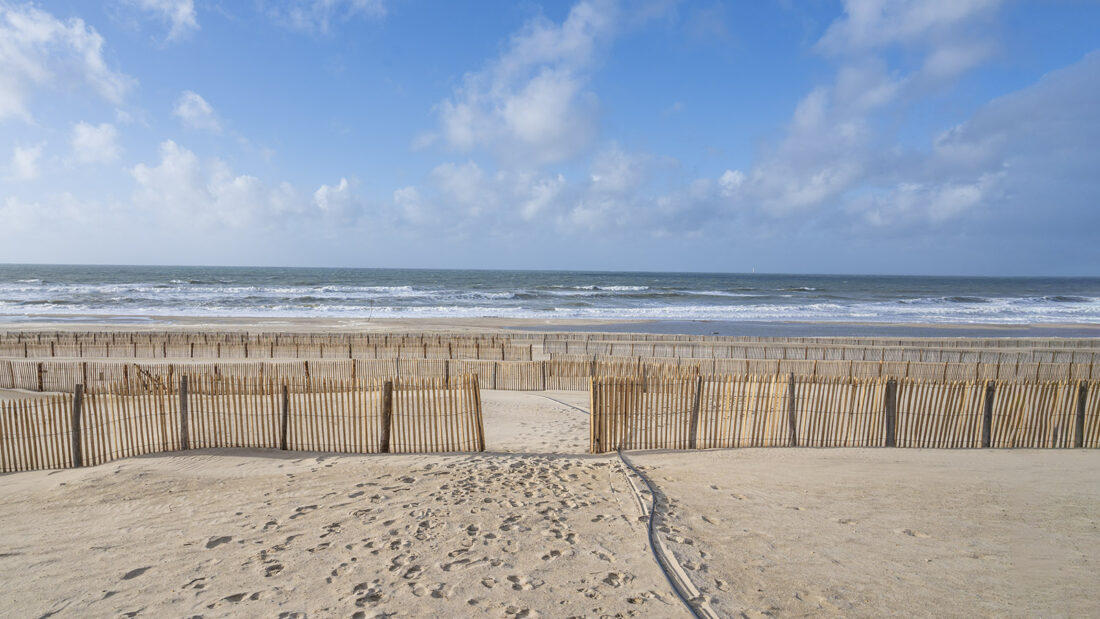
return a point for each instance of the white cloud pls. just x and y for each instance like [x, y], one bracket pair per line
[24, 161]
[413, 209]
[196, 112]
[95, 143]
[337, 202]
[39, 50]
[178, 14]
[731, 181]
[872, 24]
[464, 184]
[539, 196]
[182, 188]
[531, 105]
[52, 212]
[319, 15]
[838, 141]
[614, 171]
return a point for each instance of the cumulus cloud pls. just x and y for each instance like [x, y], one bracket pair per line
[414, 210]
[873, 24]
[837, 143]
[612, 189]
[320, 15]
[95, 143]
[532, 104]
[38, 50]
[196, 112]
[730, 182]
[178, 14]
[1010, 158]
[24, 161]
[181, 187]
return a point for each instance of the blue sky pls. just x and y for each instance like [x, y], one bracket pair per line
[935, 136]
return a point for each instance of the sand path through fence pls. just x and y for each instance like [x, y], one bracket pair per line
[532, 422]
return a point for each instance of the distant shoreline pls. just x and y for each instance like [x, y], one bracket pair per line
[96, 322]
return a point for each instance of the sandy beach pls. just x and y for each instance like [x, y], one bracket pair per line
[533, 527]
[583, 309]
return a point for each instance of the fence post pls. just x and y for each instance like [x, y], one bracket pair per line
[595, 416]
[891, 412]
[480, 421]
[987, 415]
[40, 381]
[1082, 397]
[185, 436]
[284, 418]
[693, 440]
[792, 412]
[387, 416]
[78, 405]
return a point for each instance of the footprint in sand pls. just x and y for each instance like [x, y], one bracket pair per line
[135, 573]
[301, 511]
[273, 570]
[520, 583]
[912, 533]
[370, 594]
[214, 542]
[617, 579]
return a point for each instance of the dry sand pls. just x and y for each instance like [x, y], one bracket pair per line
[868, 532]
[534, 527]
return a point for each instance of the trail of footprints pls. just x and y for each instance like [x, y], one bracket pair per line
[379, 545]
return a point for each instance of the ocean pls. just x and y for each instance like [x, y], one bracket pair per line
[59, 292]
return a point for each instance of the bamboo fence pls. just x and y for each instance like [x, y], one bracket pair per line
[462, 349]
[152, 414]
[777, 410]
[559, 374]
[940, 415]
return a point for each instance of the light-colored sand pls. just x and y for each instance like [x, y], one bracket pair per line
[19, 394]
[869, 532]
[534, 527]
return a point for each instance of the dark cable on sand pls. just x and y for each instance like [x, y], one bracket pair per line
[650, 527]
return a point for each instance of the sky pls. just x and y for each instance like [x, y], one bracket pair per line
[954, 137]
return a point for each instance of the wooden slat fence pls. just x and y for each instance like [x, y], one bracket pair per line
[150, 414]
[940, 415]
[743, 411]
[1091, 434]
[437, 415]
[236, 411]
[839, 412]
[35, 434]
[1035, 414]
[778, 410]
[572, 373]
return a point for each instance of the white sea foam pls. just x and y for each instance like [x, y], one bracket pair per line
[673, 297]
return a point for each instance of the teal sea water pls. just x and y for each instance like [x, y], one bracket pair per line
[152, 291]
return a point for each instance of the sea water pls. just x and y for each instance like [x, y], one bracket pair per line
[159, 291]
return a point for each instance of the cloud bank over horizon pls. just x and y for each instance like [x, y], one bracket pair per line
[915, 136]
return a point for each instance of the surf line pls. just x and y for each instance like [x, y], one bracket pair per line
[674, 573]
